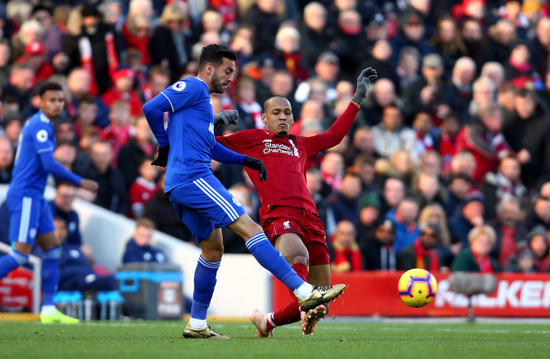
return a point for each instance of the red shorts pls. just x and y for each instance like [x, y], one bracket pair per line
[305, 224]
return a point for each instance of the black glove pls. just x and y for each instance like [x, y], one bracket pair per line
[162, 157]
[227, 117]
[256, 164]
[365, 78]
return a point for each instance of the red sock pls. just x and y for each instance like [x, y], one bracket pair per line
[290, 313]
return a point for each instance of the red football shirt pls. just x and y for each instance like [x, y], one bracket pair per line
[285, 160]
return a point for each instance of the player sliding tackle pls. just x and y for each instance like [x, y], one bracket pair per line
[186, 149]
[288, 214]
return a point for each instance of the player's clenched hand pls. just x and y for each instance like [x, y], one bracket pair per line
[365, 78]
[256, 164]
[227, 117]
[90, 185]
[162, 157]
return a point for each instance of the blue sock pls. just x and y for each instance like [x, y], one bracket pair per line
[272, 260]
[11, 261]
[50, 274]
[205, 281]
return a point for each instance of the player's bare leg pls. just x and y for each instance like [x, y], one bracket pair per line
[205, 281]
[318, 274]
[292, 248]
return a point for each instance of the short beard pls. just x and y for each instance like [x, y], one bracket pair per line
[217, 86]
[282, 133]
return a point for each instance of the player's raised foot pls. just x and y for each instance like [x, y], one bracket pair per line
[206, 333]
[311, 318]
[321, 295]
[259, 319]
[58, 317]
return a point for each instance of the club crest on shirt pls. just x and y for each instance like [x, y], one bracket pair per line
[178, 86]
[286, 225]
[42, 136]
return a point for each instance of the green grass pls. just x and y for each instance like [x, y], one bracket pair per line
[333, 339]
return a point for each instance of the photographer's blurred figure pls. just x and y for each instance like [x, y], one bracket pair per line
[139, 248]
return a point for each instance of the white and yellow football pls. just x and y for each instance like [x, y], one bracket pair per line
[417, 287]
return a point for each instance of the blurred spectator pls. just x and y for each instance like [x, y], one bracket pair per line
[363, 166]
[265, 19]
[379, 253]
[434, 213]
[139, 248]
[369, 217]
[123, 79]
[412, 33]
[447, 42]
[86, 112]
[383, 94]
[169, 45]
[404, 218]
[483, 95]
[131, 153]
[75, 271]
[475, 258]
[158, 80]
[431, 162]
[505, 99]
[518, 69]
[450, 128]
[327, 69]
[65, 153]
[469, 215]
[484, 140]
[78, 83]
[242, 42]
[463, 163]
[408, 63]
[537, 241]
[476, 47]
[332, 170]
[502, 37]
[423, 253]
[30, 31]
[393, 191]
[20, 85]
[426, 138]
[288, 52]
[460, 84]
[316, 36]
[527, 133]
[53, 34]
[64, 131]
[118, 130]
[112, 194]
[510, 231]
[12, 127]
[5, 64]
[539, 214]
[6, 159]
[428, 189]
[347, 256]
[540, 47]
[282, 85]
[505, 182]
[349, 36]
[162, 213]
[250, 111]
[379, 59]
[361, 145]
[34, 56]
[93, 45]
[62, 206]
[523, 262]
[344, 203]
[143, 188]
[495, 72]
[391, 135]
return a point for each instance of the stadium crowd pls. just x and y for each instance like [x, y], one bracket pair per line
[447, 166]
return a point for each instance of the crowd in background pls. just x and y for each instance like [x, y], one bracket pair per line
[446, 167]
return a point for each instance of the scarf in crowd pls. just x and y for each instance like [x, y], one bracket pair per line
[421, 253]
[484, 263]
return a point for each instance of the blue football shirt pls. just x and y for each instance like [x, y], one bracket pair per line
[29, 176]
[190, 132]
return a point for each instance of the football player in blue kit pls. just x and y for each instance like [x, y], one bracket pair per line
[31, 218]
[186, 148]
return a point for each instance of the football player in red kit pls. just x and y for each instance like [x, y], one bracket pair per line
[287, 213]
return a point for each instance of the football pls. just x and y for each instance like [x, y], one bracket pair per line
[417, 287]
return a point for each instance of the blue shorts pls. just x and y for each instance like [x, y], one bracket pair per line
[205, 204]
[29, 217]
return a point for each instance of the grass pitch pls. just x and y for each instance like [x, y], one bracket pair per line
[333, 339]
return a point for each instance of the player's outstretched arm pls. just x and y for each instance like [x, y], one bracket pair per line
[154, 111]
[89, 185]
[56, 169]
[226, 117]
